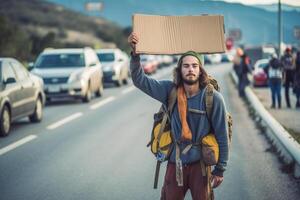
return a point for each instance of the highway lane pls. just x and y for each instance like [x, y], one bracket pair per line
[101, 153]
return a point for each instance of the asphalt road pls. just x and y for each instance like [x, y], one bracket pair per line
[98, 151]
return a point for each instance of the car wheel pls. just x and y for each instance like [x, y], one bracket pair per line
[125, 81]
[88, 96]
[38, 111]
[99, 92]
[5, 121]
[118, 83]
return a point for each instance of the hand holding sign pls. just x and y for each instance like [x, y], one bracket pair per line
[133, 40]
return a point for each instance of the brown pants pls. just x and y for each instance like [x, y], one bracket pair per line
[192, 179]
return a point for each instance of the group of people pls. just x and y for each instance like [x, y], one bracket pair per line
[280, 71]
[285, 70]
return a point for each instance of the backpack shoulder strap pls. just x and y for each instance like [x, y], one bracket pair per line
[171, 102]
[209, 98]
[172, 99]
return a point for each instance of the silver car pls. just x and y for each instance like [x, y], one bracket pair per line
[21, 94]
[70, 72]
[115, 66]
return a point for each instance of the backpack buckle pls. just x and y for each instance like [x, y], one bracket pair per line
[160, 156]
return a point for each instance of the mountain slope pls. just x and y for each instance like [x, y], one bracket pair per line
[37, 19]
[274, 7]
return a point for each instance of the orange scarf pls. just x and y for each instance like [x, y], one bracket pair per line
[186, 133]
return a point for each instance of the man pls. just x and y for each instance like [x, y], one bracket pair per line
[190, 80]
[288, 67]
[237, 60]
[244, 69]
[274, 72]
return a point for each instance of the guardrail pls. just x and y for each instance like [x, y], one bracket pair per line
[286, 146]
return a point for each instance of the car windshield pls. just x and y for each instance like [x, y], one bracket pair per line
[60, 60]
[106, 57]
[262, 65]
[145, 58]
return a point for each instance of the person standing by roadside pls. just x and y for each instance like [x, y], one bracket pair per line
[190, 80]
[296, 84]
[244, 69]
[237, 60]
[288, 67]
[274, 72]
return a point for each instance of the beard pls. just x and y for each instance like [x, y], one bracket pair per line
[190, 82]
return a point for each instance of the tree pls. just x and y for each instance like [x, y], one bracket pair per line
[13, 42]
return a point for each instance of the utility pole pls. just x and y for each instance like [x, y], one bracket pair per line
[279, 29]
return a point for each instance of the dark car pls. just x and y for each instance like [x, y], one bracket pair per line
[21, 94]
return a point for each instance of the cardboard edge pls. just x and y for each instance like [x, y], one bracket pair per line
[179, 53]
[222, 29]
[202, 15]
[222, 25]
[132, 18]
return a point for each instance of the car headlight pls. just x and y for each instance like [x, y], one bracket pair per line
[74, 77]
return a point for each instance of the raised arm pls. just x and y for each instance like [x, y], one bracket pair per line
[158, 90]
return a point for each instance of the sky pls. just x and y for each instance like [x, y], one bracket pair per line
[249, 2]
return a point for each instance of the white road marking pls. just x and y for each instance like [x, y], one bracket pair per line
[129, 89]
[17, 144]
[64, 121]
[101, 103]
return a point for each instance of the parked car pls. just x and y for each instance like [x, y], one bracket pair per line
[21, 94]
[207, 61]
[226, 58]
[259, 52]
[260, 78]
[215, 58]
[70, 73]
[115, 65]
[167, 60]
[149, 63]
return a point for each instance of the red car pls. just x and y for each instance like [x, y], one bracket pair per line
[260, 78]
[149, 64]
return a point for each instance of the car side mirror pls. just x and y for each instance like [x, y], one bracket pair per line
[30, 66]
[10, 80]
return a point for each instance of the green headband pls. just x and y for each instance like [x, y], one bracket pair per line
[199, 56]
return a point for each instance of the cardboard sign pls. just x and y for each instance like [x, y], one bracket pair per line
[179, 34]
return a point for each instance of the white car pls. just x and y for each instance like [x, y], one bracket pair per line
[115, 66]
[70, 72]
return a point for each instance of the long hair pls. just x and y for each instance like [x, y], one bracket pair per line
[177, 76]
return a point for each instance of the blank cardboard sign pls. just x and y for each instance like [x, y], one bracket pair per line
[178, 34]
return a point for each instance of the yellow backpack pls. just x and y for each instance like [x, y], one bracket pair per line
[161, 136]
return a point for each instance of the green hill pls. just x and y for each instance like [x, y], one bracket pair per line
[27, 27]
